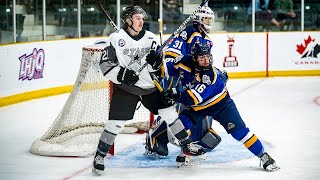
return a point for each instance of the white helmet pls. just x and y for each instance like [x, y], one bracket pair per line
[204, 17]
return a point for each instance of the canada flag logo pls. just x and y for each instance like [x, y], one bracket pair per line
[309, 51]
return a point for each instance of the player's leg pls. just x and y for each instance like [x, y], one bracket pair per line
[157, 139]
[232, 122]
[168, 112]
[122, 108]
[200, 131]
[203, 133]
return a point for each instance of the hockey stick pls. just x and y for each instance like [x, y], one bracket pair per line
[107, 15]
[180, 28]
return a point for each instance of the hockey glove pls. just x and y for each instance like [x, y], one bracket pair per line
[154, 59]
[127, 76]
[171, 96]
[223, 75]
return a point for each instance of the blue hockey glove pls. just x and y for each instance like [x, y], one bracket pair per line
[170, 96]
[127, 76]
[223, 75]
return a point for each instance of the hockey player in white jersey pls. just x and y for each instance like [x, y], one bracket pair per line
[124, 55]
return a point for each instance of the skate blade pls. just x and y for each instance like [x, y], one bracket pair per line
[272, 168]
[96, 172]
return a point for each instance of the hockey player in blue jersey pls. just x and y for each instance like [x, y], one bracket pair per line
[206, 94]
[197, 32]
[202, 133]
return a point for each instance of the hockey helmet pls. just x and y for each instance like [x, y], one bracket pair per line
[201, 54]
[129, 11]
[204, 17]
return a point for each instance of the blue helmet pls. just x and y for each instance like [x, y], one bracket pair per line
[201, 49]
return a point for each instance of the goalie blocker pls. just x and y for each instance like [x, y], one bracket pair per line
[157, 138]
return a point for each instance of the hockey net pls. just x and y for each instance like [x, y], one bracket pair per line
[77, 128]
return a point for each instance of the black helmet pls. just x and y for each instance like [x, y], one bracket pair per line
[129, 11]
[200, 49]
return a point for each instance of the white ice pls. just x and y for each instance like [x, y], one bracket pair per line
[284, 111]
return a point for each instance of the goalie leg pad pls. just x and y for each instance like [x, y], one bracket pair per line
[210, 140]
[178, 130]
[169, 114]
[157, 140]
[160, 145]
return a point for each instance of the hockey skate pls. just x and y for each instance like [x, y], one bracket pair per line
[191, 154]
[268, 163]
[98, 165]
[193, 149]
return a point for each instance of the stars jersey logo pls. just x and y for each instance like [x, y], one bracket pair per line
[135, 54]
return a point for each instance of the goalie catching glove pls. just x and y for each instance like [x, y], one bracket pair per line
[127, 76]
[154, 59]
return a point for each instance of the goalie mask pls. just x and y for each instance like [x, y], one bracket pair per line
[204, 18]
[201, 54]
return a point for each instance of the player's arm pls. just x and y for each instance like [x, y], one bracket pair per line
[207, 87]
[176, 48]
[108, 59]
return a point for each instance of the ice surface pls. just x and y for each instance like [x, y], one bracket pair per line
[284, 112]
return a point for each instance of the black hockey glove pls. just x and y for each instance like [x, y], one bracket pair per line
[127, 76]
[154, 59]
[170, 96]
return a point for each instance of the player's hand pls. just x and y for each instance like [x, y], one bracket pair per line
[171, 96]
[127, 76]
[154, 59]
[223, 75]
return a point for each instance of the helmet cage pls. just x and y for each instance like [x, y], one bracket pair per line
[204, 17]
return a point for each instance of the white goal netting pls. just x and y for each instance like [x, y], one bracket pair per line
[77, 128]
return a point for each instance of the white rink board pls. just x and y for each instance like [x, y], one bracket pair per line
[62, 58]
[283, 54]
[61, 64]
[249, 49]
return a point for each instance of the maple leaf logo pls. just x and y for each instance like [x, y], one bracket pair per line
[301, 48]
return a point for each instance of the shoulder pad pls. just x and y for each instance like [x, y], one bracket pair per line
[187, 32]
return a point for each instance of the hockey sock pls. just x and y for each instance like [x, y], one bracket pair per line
[113, 128]
[250, 140]
[105, 142]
